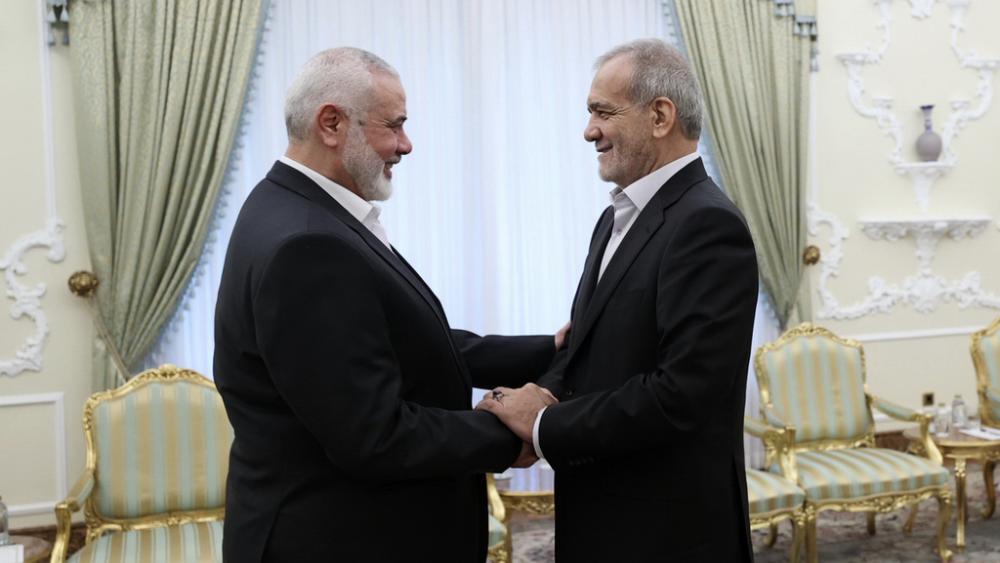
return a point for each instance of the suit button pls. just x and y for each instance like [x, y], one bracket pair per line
[568, 393]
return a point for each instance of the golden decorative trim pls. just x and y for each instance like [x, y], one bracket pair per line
[498, 554]
[538, 504]
[982, 381]
[80, 496]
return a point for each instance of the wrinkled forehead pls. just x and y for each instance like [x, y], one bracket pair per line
[611, 82]
[389, 97]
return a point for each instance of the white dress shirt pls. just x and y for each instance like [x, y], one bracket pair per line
[365, 212]
[628, 203]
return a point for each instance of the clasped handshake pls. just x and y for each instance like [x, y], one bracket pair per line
[517, 409]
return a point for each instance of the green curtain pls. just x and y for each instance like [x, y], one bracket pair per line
[754, 71]
[160, 86]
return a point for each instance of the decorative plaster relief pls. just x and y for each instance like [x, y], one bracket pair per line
[27, 300]
[924, 290]
[880, 109]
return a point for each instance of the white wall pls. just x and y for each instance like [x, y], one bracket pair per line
[908, 351]
[41, 438]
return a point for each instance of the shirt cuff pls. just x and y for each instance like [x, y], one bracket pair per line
[534, 434]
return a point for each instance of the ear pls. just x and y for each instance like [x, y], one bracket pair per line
[331, 125]
[664, 117]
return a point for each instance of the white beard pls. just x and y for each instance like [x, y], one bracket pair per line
[365, 167]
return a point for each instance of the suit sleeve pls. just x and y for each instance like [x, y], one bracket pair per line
[706, 298]
[322, 332]
[509, 361]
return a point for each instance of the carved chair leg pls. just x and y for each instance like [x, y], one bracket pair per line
[944, 516]
[811, 555]
[908, 526]
[871, 523]
[798, 531]
[772, 535]
[991, 490]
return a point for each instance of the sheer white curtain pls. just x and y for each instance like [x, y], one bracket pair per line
[496, 204]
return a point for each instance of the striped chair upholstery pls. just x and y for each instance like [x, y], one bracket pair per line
[197, 542]
[770, 493]
[161, 448]
[865, 472]
[812, 386]
[817, 385]
[154, 485]
[986, 357]
[498, 532]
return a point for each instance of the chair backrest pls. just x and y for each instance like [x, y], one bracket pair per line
[986, 357]
[815, 381]
[158, 444]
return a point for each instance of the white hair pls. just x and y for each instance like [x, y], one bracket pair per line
[341, 76]
[659, 70]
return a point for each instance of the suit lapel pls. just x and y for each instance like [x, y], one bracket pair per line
[589, 280]
[648, 222]
[299, 183]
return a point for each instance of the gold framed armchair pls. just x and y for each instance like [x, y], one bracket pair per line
[154, 484]
[775, 498]
[812, 382]
[985, 350]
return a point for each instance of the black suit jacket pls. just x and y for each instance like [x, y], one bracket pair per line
[349, 393]
[647, 442]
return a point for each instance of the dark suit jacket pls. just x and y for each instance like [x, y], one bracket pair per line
[349, 393]
[647, 442]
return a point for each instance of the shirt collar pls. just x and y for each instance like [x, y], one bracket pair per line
[643, 189]
[354, 204]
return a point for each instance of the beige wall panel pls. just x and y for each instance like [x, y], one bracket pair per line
[34, 157]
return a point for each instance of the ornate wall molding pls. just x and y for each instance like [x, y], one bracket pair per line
[880, 108]
[59, 448]
[923, 290]
[27, 300]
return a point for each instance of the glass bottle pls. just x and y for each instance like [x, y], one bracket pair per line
[942, 420]
[4, 530]
[959, 418]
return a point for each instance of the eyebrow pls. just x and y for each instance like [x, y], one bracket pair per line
[600, 106]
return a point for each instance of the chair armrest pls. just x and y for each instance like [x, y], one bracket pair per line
[993, 394]
[772, 418]
[779, 444]
[899, 412]
[64, 514]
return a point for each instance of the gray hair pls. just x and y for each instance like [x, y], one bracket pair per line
[661, 70]
[341, 76]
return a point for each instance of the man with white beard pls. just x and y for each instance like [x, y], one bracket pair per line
[348, 392]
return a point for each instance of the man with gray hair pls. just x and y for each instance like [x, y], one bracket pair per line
[647, 441]
[347, 391]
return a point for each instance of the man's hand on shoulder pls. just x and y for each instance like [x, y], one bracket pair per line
[562, 334]
[517, 408]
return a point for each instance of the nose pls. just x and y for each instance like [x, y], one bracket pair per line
[591, 133]
[404, 146]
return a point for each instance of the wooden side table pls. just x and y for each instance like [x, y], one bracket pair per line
[961, 448]
[35, 549]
